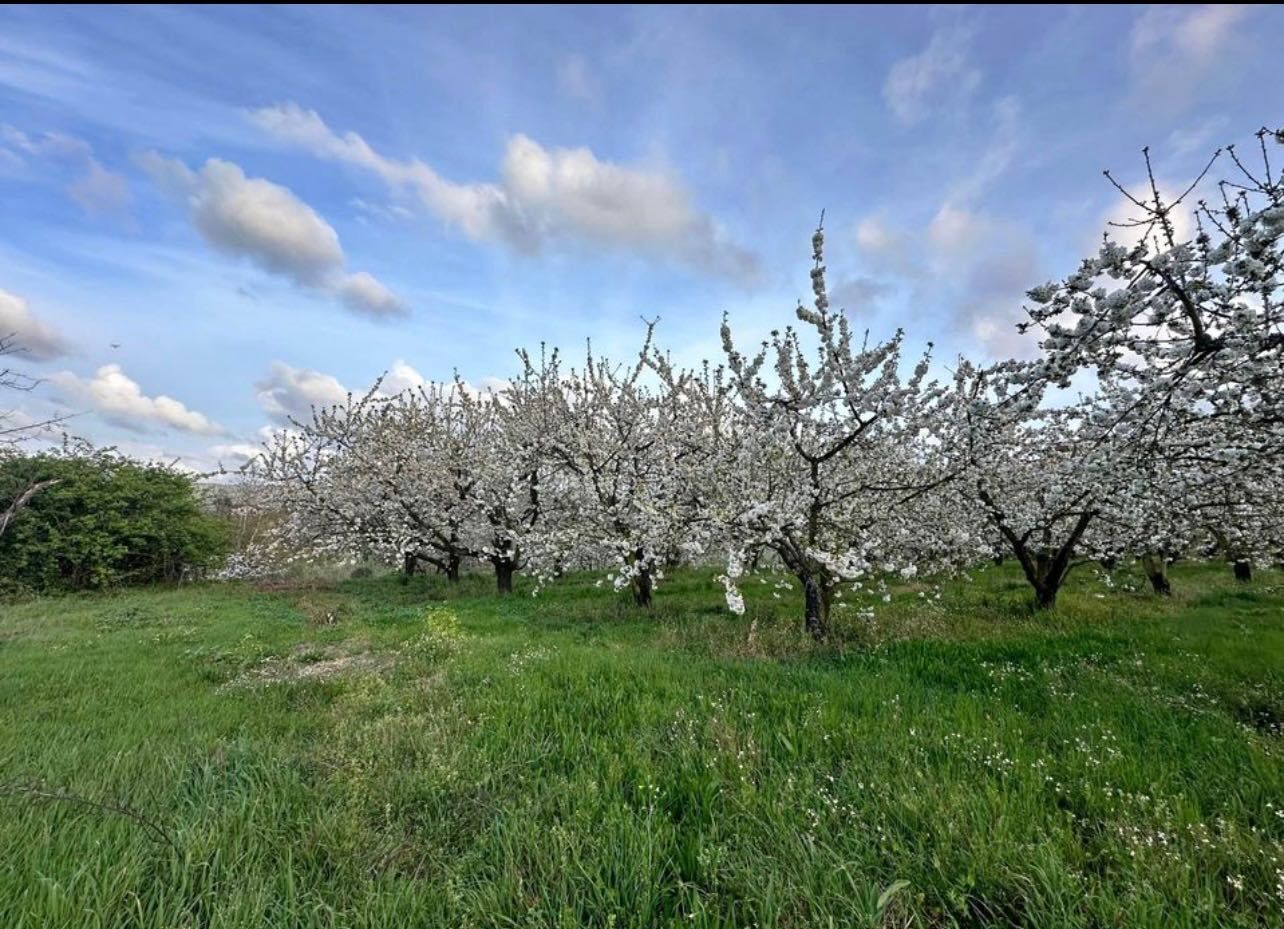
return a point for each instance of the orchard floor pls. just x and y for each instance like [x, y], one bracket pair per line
[375, 753]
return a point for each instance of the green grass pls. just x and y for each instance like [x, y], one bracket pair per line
[386, 754]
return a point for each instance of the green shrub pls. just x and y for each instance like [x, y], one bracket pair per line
[107, 521]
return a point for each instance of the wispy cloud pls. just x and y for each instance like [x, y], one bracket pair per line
[1175, 49]
[941, 75]
[95, 189]
[576, 79]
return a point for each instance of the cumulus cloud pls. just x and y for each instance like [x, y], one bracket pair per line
[290, 393]
[37, 339]
[95, 189]
[234, 454]
[363, 293]
[255, 219]
[1175, 49]
[543, 197]
[940, 75]
[120, 400]
[1126, 224]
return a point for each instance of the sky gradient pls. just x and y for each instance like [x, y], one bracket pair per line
[211, 218]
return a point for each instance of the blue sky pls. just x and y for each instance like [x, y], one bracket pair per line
[210, 218]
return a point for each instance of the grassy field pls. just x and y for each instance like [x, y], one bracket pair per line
[384, 754]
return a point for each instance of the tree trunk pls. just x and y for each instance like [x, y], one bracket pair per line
[1156, 568]
[452, 568]
[409, 563]
[643, 584]
[1243, 570]
[643, 588]
[504, 571]
[1045, 595]
[816, 598]
[1049, 574]
[1110, 562]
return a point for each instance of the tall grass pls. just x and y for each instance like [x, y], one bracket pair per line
[386, 754]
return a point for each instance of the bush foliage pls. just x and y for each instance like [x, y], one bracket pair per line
[107, 521]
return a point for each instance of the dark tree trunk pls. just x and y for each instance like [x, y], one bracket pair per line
[1156, 568]
[643, 584]
[1046, 574]
[1243, 571]
[1045, 595]
[816, 599]
[1046, 571]
[643, 588]
[1110, 563]
[504, 571]
[409, 564]
[452, 568]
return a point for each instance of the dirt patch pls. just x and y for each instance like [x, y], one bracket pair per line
[312, 663]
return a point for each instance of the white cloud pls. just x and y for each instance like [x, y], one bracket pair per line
[1199, 33]
[874, 234]
[364, 294]
[37, 339]
[940, 75]
[543, 198]
[1174, 49]
[235, 454]
[577, 81]
[120, 400]
[1121, 221]
[957, 231]
[290, 393]
[400, 377]
[390, 212]
[267, 224]
[96, 190]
